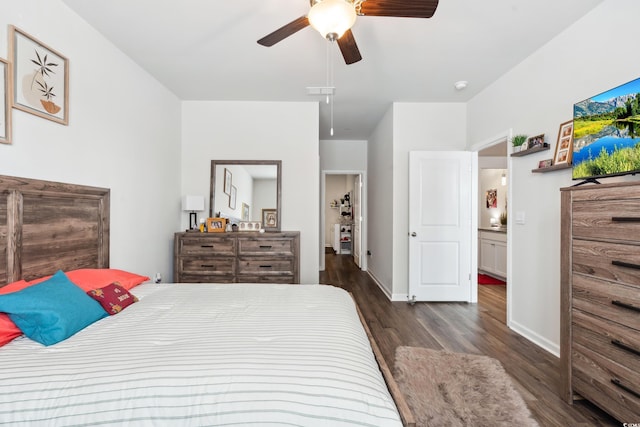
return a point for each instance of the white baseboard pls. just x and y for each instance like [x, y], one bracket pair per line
[382, 288]
[535, 338]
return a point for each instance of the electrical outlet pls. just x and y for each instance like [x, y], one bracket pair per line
[157, 278]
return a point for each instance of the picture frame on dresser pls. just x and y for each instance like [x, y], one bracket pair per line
[6, 89]
[216, 225]
[45, 91]
[270, 219]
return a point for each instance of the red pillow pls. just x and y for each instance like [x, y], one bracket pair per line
[94, 278]
[8, 330]
[113, 298]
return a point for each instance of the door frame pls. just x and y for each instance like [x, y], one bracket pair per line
[504, 136]
[363, 207]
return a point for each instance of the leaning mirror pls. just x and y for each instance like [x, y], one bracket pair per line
[246, 190]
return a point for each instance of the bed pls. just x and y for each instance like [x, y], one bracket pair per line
[187, 354]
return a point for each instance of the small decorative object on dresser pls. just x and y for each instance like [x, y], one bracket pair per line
[600, 297]
[270, 219]
[250, 226]
[216, 225]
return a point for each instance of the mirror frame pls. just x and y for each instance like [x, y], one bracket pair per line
[276, 163]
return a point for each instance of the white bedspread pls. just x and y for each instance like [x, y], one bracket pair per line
[194, 355]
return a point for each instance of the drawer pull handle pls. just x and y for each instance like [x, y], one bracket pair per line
[618, 383]
[625, 218]
[207, 265]
[265, 246]
[626, 264]
[623, 346]
[266, 266]
[206, 246]
[625, 305]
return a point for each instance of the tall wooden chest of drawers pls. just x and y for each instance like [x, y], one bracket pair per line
[243, 257]
[600, 297]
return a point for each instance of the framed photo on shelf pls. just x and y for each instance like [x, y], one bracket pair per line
[6, 90]
[564, 146]
[40, 77]
[535, 141]
[227, 181]
[216, 225]
[269, 219]
[545, 163]
[232, 197]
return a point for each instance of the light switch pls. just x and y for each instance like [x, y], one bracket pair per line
[520, 217]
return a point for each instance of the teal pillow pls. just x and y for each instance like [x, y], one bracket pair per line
[51, 311]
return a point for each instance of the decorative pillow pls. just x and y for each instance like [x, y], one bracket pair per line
[94, 278]
[51, 311]
[8, 330]
[113, 298]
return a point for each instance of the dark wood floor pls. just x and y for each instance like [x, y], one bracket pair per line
[471, 328]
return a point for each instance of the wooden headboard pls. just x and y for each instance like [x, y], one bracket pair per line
[48, 226]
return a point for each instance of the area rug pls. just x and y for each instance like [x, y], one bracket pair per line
[483, 279]
[456, 389]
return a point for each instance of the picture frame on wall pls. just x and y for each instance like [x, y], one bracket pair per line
[245, 212]
[40, 77]
[5, 102]
[564, 146]
[232, 197]
[270, 219]
[227, 181]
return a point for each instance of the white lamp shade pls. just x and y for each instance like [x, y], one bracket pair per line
[332, 17]
[193, 203]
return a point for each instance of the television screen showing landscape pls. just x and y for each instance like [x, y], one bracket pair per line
[606, 133]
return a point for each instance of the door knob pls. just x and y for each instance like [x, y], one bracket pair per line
[413, 234]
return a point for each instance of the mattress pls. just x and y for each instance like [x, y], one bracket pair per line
[204, 354]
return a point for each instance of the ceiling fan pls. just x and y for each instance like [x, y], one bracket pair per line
[334, 18]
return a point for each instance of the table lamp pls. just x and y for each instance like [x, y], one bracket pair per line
[193, 204]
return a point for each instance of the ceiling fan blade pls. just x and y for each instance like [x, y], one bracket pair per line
[400, 8]
[349, 48]
[284, 32]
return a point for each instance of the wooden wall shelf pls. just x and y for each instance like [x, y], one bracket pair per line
[552, 168]
[530, 151]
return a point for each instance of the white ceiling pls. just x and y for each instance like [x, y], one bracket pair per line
[207, 50]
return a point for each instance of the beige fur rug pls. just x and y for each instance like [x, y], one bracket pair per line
[455, 389]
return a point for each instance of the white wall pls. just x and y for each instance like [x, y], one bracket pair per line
[417, 127]
[593, 55]
[123, 134]
[490, 179]
[380, 196]
[286, 131]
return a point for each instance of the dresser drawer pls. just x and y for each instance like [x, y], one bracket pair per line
[612, 261]
[609, 339]
[283, 278]
[207, 266]
[594, 376]
[203, 278]
[206, 245]
[266, 246]
[607, 219]
[608, 300]
[265, 266]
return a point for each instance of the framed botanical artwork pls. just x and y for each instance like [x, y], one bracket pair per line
[270, 219]
[535, 141]
[5, 102]
[245, 212]
[216, 225]
[40, 77]
[227, 181]
[232, 197]
[564, 146]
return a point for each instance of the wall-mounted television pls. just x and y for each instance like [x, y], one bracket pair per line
[606, 133]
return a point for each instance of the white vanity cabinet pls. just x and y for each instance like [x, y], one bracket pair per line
[493, 252]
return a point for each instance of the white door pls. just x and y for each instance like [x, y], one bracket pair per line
[357, 219]
[440, 214]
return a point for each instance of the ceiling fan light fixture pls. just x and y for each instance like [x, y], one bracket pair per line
[332, 18]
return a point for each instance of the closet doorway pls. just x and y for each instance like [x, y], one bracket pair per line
[342, 218]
